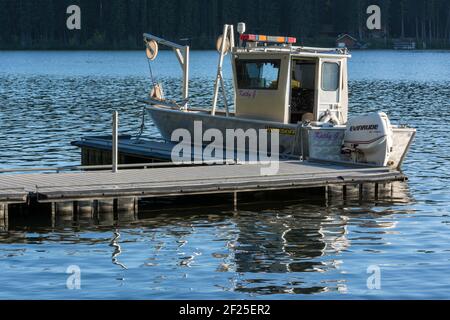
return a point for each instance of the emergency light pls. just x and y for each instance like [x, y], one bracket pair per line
[264, 38]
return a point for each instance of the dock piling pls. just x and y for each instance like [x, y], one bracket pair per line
[105, 205]
[369, 191]
[334, 194]
[2, 211]
[53, 213]
[64, 208]
[84, 208]
[125, 204]
[3, 214]
[361, 191]
[106, 218]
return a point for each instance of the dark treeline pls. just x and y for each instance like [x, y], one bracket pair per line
[119, 24]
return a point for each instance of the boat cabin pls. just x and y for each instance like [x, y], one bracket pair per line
[276, 81]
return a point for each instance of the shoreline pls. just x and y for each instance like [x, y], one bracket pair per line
[371, 44]
[195, 49]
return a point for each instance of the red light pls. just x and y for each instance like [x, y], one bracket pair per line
[248, 37]
[291, 40]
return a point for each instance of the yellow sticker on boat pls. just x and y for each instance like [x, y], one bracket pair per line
[284, 131]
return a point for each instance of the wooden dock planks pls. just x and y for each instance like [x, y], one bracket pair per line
[53, 187]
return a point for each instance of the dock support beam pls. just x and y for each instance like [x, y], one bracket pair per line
[115, 131]
[3, 214]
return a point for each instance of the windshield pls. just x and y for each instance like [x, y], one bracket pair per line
[257, 74]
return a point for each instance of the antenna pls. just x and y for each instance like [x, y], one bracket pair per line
[240, 30]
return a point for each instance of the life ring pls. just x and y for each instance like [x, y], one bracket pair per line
[151, 49]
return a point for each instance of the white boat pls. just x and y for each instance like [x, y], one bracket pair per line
[302, 92]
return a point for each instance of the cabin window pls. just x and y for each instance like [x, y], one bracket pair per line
[330, 76]
[258, 74]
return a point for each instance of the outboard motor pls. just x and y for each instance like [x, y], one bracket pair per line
[369, 139]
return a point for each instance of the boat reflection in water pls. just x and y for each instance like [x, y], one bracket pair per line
[309, 238]
[270, 245]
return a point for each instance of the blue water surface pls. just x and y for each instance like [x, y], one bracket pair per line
[295, 247]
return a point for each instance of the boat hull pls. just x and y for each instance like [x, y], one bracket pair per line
[315, 143]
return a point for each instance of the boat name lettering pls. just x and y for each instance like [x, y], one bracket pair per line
[247, 93]
[326, 135]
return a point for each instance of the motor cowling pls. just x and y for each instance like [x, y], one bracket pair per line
[369, 139]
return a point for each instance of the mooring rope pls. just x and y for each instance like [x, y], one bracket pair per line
[151, 72]
[142, 126]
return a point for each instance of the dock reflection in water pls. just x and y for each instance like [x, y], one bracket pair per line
[117, 250]
[263, 248]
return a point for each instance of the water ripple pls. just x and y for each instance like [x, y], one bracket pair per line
[277, 248]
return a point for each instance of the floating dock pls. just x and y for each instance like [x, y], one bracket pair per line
[96, 150]
[121, 190]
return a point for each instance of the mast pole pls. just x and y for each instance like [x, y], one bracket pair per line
[219, 77]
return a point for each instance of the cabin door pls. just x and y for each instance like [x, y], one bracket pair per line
[303, 88]
[329, 87]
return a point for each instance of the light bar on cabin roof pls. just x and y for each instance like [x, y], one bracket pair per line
[264, 38]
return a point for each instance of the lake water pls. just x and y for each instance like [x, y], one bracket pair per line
[294, 247]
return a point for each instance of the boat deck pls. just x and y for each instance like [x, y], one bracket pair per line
[173, 181]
